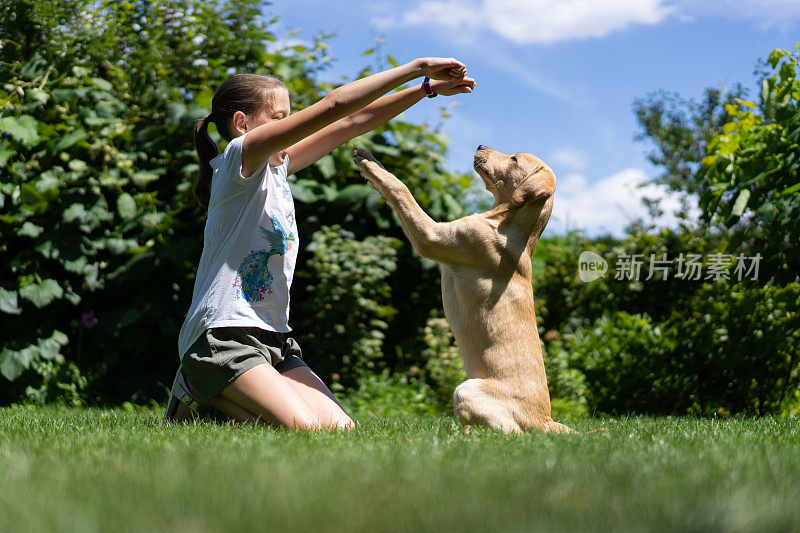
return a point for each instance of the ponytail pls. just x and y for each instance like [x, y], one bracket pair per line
[248, 93]
[206, 151]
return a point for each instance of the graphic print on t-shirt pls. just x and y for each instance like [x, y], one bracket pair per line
[253, 279]
[287, 195]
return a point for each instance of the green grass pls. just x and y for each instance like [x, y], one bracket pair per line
[89, 469]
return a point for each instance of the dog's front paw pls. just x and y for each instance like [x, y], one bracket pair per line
[369, 167]
[360, 154]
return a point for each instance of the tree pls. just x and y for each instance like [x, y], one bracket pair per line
[740, 159]
[753, 168]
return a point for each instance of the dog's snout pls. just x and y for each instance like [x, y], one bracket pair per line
[481, 147]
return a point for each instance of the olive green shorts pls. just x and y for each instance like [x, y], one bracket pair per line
[221, 355]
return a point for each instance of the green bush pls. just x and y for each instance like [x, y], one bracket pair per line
[738, 158]
[566, 384]
[737, 348]
[626, 363]
[752, 165]
[346, 304]
[733, 349]
[385, 394]
[443, 368]
[51, 377]
[564, 303]
[61, 382]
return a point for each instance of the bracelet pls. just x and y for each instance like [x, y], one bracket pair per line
[426, 86]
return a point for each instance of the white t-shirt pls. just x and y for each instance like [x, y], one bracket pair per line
[249, 250]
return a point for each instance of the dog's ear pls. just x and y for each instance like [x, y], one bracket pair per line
[538, 186]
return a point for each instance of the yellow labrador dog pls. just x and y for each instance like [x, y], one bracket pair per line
[486, 285]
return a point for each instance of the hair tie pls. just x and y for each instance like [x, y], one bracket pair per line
[210, 117]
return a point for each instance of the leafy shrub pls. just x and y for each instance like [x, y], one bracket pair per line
[346, 303]
[566, 384]
[733, 349]
[50, 377]
[752, 165]
[424, 387]
[696, 346]
[626, 362]
[737, 348]
[739, 157]
[443, 366]
[383, 394]
[564, 303]
[61, 382]
[791, 405]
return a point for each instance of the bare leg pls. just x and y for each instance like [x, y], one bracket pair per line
[232, 410]
[245, 401]
[328, 411]
[177, 411]
[263, 391]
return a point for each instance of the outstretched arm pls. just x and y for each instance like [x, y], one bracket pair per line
[367, 119]
[274, 136]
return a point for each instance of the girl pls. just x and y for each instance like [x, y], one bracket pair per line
[234, 354]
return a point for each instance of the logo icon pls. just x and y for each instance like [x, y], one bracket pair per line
[591, 266]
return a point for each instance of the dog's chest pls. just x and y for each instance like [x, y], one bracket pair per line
[472, 300]
[464, 295]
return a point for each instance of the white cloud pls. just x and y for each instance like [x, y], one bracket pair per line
[538, 21]
[569, 158]
[764, 13]
[608, 205]
[551, 21]
[452, 14]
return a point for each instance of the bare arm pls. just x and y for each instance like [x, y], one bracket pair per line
[274, 136]
[367, 119]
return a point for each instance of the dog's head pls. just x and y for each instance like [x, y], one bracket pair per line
[515, 179]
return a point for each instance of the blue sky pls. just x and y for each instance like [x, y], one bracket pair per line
[558, 78]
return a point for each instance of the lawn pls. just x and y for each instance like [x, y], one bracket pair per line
[67, 469]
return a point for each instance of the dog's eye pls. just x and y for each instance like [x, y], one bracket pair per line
[514, 158]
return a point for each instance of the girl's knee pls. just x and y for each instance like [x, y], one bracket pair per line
[321, 423]
[345, 422]
[304, 424]
[335, 418]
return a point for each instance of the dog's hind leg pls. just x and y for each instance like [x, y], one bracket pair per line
[474, 404]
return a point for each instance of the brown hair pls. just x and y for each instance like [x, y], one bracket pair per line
[248, 93]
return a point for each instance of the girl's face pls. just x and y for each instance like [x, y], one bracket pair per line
[279, 107]
[276, 108]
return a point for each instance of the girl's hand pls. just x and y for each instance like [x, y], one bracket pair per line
[451, 87]
[440, 68]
